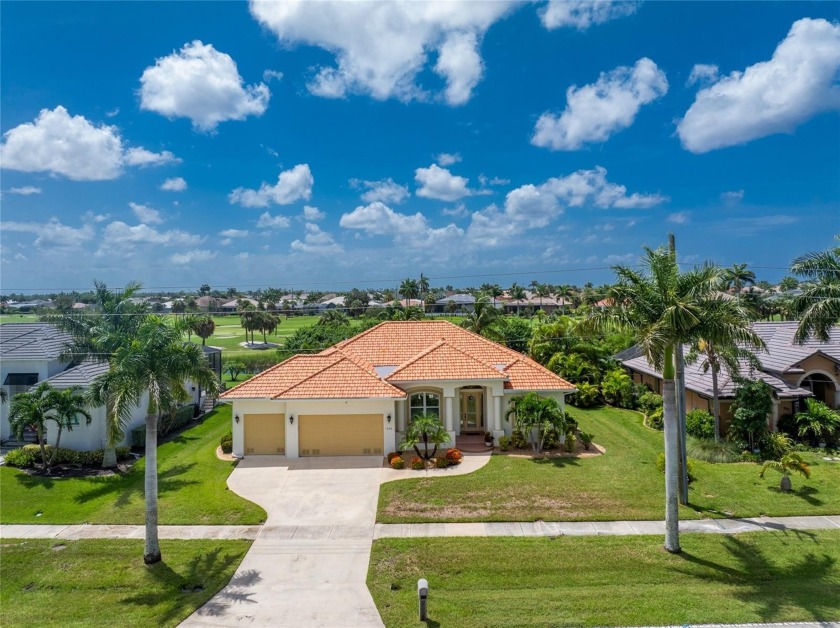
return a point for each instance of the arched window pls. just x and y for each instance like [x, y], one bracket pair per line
[424, 403]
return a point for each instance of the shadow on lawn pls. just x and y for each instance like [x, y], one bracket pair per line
[558, 461]
[129, 486]
[809, 584]
[177, 593]
[806, 493]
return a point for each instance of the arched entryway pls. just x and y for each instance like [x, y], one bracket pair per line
[823, 387]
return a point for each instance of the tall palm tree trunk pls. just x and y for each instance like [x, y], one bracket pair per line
[716, 402]
[151, 553]
[672, 455]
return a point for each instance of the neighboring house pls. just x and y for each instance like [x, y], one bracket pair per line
[233, 306]
[546, 304]
[793, 371]
[462, 303]
[330, 304]
[29, 355]
[357, 397]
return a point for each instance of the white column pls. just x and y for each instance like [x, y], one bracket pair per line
[497, 402]
[774, 421]
[450, 414]
[400, 407]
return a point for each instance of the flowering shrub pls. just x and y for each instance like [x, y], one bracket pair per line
[417, 463]
[454, 456]
[392, 455]
[441, 462]
[396, 462]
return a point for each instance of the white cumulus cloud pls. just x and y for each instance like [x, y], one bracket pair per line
[678, 218]
[594, 112]
[292, 185]
[703, 73]
[118, 234]
[769, 97]
[175, 184]
[234, 233]
[733, 197]
[440, 183]
[267, 221]
[581, 14]
[447, 159]
[385, 190]
[312, 214]
[73, 147]
[146, 214]
[380, 48]
[142, 157]
[409, 230]
[200, 83]
[52, 233]
[317, 241]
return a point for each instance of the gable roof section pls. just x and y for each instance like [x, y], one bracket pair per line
[443, 361]
[343, 379]
[81, 375]
[314, 377]
[783, 353]
[31, 341]
[526, 374]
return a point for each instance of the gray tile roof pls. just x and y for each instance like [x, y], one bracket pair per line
[782, 355]
[81, 375]
[31, 341]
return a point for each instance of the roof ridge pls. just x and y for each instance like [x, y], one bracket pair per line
[413, 359]
[438, 345]
[346, 341]
[271, 369]
[310, 376]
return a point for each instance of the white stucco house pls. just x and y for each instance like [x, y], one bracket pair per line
[29, 354]
[357, 397]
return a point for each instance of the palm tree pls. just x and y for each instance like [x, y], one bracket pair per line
[425, 428]
[31, 410]
[96, 336]
[67, 405]
[204, 328]
[423, 288]
[662, 307]
[725, 338]
[517, 293]
[791, 462]
[483, 320]
[409, 290]
[819, 303]
[738, 276]
[543, 291]
[333, 317]
[157, 362]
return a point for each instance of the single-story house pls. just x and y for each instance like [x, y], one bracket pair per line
[358, 396]
[460, 302]
[793, 371]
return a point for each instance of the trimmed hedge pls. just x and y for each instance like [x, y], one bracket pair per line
[226, 443]
[30, 456]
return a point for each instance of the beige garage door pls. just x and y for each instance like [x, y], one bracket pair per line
[265, 434]
[340, 435]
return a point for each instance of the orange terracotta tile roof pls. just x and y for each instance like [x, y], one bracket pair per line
[420, 350]
[343, 379]
[526, 374]
[444, 361]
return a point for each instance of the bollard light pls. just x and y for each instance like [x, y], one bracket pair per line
[422, 595]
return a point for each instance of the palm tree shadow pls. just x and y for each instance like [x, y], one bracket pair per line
[178, 592]
[127, 489]
[806, 493]
[763, 584]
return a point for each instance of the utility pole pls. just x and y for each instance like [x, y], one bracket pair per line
[679, 382]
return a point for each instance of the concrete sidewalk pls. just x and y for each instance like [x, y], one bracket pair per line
[369, 531]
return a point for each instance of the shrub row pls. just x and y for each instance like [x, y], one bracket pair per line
[183, 415]
[226, 443]
[29, 456]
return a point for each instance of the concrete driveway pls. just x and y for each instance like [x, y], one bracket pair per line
[308, 566]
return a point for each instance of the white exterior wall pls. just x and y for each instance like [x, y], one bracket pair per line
[44, 368]
[295, 408]
[84, 437]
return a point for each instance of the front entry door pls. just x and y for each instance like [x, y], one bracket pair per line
[472, 411]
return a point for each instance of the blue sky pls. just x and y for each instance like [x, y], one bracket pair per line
[329, 145]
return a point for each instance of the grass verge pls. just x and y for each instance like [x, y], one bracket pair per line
[609, 581]
[103, 582]
[192, 488]
[622, 484]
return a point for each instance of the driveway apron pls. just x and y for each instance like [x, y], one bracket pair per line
[308, 566]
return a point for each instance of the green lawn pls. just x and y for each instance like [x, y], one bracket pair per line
[192, 488]
[19, 318]
[609, 581]
[48, 582]
[622, 484]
